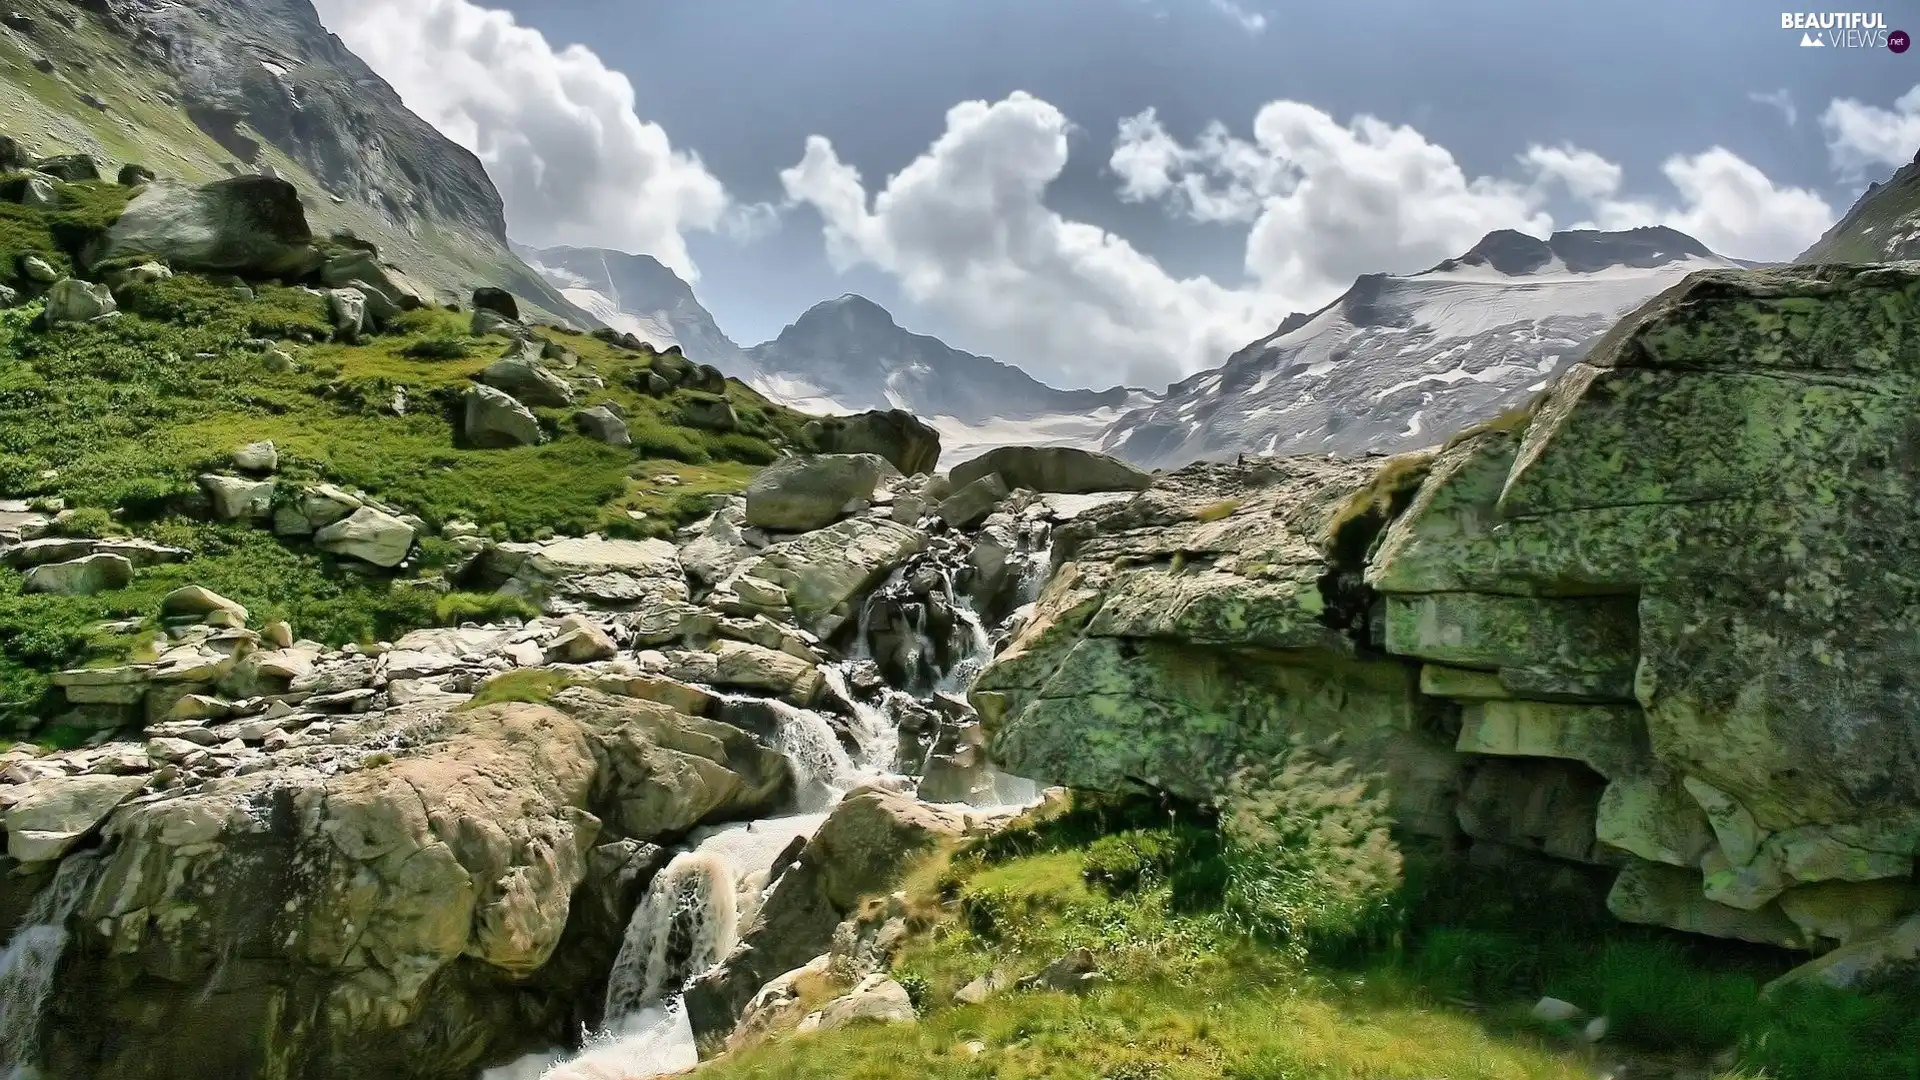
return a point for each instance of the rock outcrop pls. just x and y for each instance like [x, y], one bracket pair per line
[254, 226]
[1661, 623]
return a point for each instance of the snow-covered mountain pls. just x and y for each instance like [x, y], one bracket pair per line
[637, 295]
[1401, 362]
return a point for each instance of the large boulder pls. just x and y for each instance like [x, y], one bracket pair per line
[493, 420]
[239, 498]
[911, 444]
[74, 301]
[499, 301]
[863, 849]
[369, 535]
[85, 576]
[593, 569]
[1061, 470]
[604, 424]
[709, 412]
[73, 168]
[799, 494]
[819, 577]
[522, 373]
[48, 817]
[254, 226]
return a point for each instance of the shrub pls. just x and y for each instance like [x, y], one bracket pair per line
[658, 442]
[87, 523]
[750, 449]
[460, 607]
[1309, 862]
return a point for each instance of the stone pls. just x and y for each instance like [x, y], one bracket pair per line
[876, 999]
[522, 374]
[33, 192]
[592, 569]
[709, 412]
[1860, 963]
[144, 274]
[862, 849]
[347, 311]
[260, 457]
[1055, 469]
[369, 535]
[1555, 1011]
[493, 420]
[969, 505]
[237, 498]
[1074, 973]
[777, 1005]
[46, 818]
[799, 494]
[253, 226]
[81, 577]
[71, 300]
[486, 322]
[72, 168]
[910, 444]
[499, 301]
[743, 666]
[193, 601]
[601, 423]
[38, 270]
[583, 645]
[132, 175]
[822, 573]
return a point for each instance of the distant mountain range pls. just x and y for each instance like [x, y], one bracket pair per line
[843, 355]
[1401, 362]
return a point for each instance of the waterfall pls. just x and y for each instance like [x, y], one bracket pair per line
[974, 653]
[874, 732]
[685, 925]
[30, 960]
[822, 771]
[1036, 562]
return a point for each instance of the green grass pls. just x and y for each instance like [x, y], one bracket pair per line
[531, 686]
[59, 235]
[1190, 995]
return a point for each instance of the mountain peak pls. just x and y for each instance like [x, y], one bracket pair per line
[1581, 251]
[852, 307]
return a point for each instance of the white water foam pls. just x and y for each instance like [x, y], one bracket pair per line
[27, 966]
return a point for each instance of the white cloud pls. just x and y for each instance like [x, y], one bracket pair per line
[1251, 21]
[1865, 138]
[965, 229]
[1727, 204]
[556, 128]
[1779, 99]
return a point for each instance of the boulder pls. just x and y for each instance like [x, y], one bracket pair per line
[592, 569]
[866, 844]
[581, 645]
[347, 311]
[84, 576]
[237, 498]
[260, 457]
[132, 175]
[46, 818]
[521, 373]
[602, 423]
[37, 270]
[486, 322]
[493, 420]
[1060, 470]
[73, 168]
[193, 601]
[13, 157]
[819, 576]
[144, 274]
[876, 999]
[971, 504]
[253, 226]
[909, 443]
[499, 301]
[141, 553]
[743, 666]
[387, 291]
[71, 300]
[33, 191]
[369, 535]
[708, 412]
[799, 494]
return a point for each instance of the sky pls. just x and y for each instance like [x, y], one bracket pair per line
[1126, 191]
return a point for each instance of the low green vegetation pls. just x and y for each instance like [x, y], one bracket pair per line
[1267, 949]
[115, 420]
[530, 686]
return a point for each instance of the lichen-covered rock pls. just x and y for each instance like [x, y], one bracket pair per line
[254, 226]
[593, 569]
[818, 576]
[798, 494]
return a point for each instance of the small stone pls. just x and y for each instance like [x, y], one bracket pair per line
[1555, 1011]
[257, 457]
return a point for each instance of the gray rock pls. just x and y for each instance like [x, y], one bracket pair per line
[132, 175]
[499, 301]
[877, 998]
[48, 817]
[1060, 470]
[257, 457]
[73, 168]
[237, 498]
[600, 422]
[912, 445]
[493, 419]
[38, 270]
[486, 322]
[80, 577]
[966, 507]
[347, 311]
[33, 192]
[254, 226]
[194, 601]
[368, 535]
[74, 301]
[709, 412]
[521, 373]
[799, 494]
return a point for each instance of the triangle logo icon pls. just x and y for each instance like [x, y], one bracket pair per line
[1808, 41]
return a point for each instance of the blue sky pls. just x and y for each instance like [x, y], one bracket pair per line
[1101, 268]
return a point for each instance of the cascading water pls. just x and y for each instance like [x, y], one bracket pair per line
[685, 925]
[28, 964]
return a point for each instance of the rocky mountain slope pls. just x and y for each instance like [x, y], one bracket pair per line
[635, 294]
[1400, 362]
[1882, 226]
[200, 91]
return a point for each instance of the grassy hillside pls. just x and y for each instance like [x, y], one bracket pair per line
[1884, 225]
[1442, 986]
[86, 88]
[114, 420]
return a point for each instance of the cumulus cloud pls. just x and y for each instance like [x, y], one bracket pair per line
[966, 230]
[965, 227]
[556, 128]
[1865, 138]
[1778, 99]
